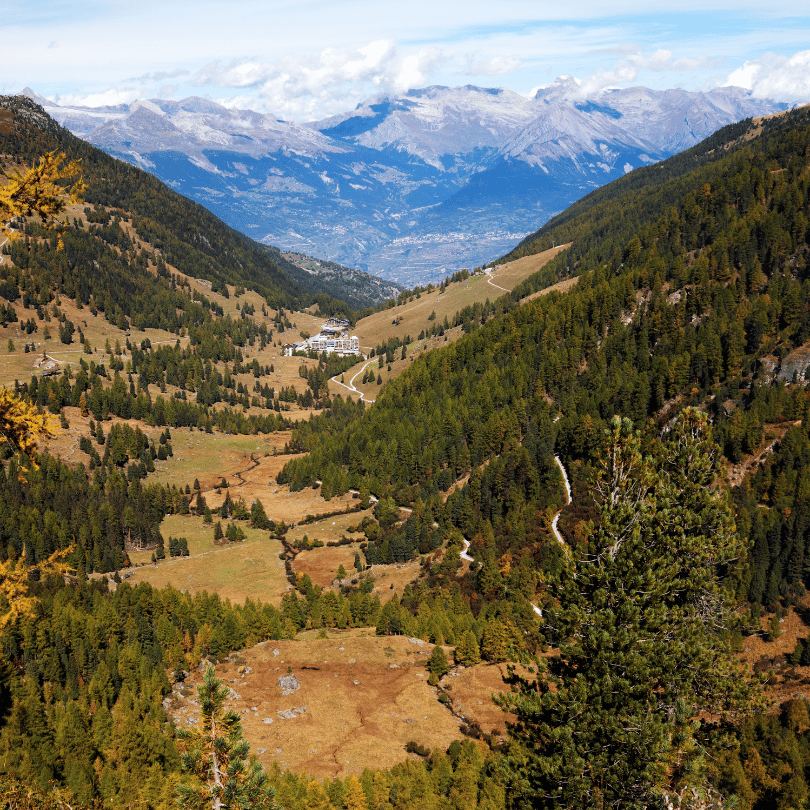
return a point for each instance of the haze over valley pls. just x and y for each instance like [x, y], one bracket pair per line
[410, 187]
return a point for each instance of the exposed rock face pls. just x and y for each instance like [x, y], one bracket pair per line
[288, 684]
[794, 366]
[290, 714]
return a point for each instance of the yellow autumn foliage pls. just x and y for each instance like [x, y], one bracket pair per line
[42, 190]
[16, 601]
[22, 425]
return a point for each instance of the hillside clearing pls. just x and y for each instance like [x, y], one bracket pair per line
[414, 316]
[360, 699]
[471, 689]
[431, 308]
[321, 564]
[237, 571]
[257, 480]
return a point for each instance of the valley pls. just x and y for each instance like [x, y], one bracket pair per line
[461, 173]
[585, 458]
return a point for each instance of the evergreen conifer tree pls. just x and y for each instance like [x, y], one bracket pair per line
[221, 776]
[437, 664]
[467, 653]
[640, 621]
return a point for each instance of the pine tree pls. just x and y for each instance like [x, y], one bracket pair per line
[437, 664]
[215, 757]
[640, 623]
[258, 517]
[498, 640]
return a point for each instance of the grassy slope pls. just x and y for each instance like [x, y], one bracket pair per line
[415, 315]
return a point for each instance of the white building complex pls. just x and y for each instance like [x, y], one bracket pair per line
[333, 338]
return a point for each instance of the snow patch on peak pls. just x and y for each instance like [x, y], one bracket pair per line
[149, 106]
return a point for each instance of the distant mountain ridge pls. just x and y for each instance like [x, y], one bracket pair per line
[414, 186]
[189, 236]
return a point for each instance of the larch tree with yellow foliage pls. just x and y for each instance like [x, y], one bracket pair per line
[41, 191]
[355, 798]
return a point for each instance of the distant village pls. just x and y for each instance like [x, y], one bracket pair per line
[334, 338]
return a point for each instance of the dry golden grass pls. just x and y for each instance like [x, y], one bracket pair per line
[365, 698]
[321, 564]
[390, 580]
[510, 274]
[19, 365]
[330, 529]
[761, 654]
[415, 349]
[414, 315]
[211, 456]
[65, 442]
[561, 286]
[237, 571]
[471, 690]
[279, 502]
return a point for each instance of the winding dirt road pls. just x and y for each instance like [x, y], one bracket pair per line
[351, 386]
[492, 283]
[560, 538]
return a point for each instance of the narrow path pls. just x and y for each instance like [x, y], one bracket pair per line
[560, 538]
[356, 492]
[351, 386]
[492, 283]
[465, 555]
[238, 474]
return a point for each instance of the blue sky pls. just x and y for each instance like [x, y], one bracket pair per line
[310, 58]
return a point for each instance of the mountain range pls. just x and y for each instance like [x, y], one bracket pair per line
[410, 187]
[189, 235]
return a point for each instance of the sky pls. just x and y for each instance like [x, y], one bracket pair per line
[304, 60]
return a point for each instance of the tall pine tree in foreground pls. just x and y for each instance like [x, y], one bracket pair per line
[216, 757]
[641, 623]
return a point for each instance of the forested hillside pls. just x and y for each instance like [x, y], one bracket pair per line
[188, 236]
[675, 368]
[682, 294]
[693, 291]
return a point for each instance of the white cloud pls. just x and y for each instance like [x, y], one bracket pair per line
[104, 98]
[495, 65]
[305, 59]
[629, 68]
[323, 83]
[784, 78]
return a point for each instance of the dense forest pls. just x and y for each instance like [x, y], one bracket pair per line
[681, 300]
[693, 291]
[662, 372]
